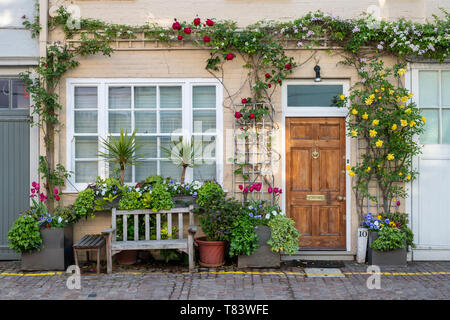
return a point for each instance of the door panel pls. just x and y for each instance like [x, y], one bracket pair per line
[14, 176]
[315, 181]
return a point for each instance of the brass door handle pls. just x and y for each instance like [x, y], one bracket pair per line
[340, 198]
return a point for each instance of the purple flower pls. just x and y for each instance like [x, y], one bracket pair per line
[355, 29]
[251, 215]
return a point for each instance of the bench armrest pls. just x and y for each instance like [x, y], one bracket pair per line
[192, 229]
[108, 231]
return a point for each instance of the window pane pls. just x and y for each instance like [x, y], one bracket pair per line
[170, 97]
[445, 126]
[144, 169]
[128, 172]
[167, 142]
[4, 94]
[148, 147]
[171, 121]
[145, 122]
[119, 97]
[20, 98]
[145, 97]
[86, 172]
[445, 88]
[204, 97]
[204, 121]
[431, 133]
[205, 146]
[86, 147]
[205, 172]
[85, 122]
[85, 97]
[119, 119]
[312, 95]
[169, 170]
[428, 88]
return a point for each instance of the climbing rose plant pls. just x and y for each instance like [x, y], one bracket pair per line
[383, 116]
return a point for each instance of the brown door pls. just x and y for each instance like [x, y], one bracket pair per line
[315, 181]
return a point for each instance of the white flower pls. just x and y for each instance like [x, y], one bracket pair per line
[268, 216]
[59, 219]
[250, 207]
[282, 213]
[274, 213]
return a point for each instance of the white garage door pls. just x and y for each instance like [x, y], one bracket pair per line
[431, 191]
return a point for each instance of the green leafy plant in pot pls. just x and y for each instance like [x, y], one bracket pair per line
[216, 215]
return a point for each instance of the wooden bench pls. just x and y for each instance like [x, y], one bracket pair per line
[183, 244]
[90, 242]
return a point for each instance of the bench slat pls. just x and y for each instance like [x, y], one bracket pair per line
[125, 228]
[149, 245]
[113, 223]
[90, 241]
[158, 226]
[136, 227]
[180, 226]
[149, 211]
[169, 225]
[147, 227]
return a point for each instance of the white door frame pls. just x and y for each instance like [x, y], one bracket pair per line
[412, 188]
[304, 112]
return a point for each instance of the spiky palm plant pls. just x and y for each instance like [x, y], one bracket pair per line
[121, 151]
[183, 154]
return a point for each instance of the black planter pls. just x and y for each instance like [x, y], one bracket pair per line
[56, 252]
[385, 258]
[263, 257]
[184, 201]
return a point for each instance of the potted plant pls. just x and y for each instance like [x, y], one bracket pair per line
[44, 240]
[387, 241]
[216, 215]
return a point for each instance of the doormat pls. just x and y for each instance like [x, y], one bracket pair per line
[321, 264]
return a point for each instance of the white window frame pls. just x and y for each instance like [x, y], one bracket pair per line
[103, 84]
[288, 112]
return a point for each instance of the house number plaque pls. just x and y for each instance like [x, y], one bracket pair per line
[315, 197]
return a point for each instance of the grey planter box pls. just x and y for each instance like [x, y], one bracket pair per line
[385, 258]
[56, 252]
[184, 201]
[263, 257]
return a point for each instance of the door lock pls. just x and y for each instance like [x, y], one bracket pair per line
[340, 198]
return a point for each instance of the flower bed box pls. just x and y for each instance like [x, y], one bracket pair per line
[263, 257]
[184, 201]
[385, 258]
[56, 252]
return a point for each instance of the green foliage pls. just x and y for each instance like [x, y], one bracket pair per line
[389, 239]
[209, 193]
[244, 240]
[159, 198]
[24, 236]
[401, 220]
[131, 200]
[284, 235]
[384, 117]
[121, 151]
[33, 25]
[67, 213]
[84, 204]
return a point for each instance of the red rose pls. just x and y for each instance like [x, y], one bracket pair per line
[275, 190]
[180, 37]
[267, 75]
[45, 65]
[244, 100]
[47, 226]
[187, 30]
[251, 188]
[252, 116]
[269, 85]
[197, 21]
[176, 25]
[209, 22]
[237, 115]
[287, 66]
[269, 190]
[229, 56]
[57, 198]
[206, 39]
[241, 187]
[246, 190]
[279, 81]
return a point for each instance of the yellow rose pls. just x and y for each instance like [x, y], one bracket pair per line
[379, 144]
[412, 123]
[354, 133]
[404, 98]
[382, 74]
[376, 90]
[372, 96]
[368, 101]
[401, 106]
[408, 177]
[390, 157]
[351, 174]
[373, 133]
[382, 89]
[348, 167]
[365, 116]
[424, 120]
[394, 127]
[375, 122]
[342, 97]
[354, 111]
[410, 95]
[404, 123]
[368, 169]
[379, 97]
[408, 110]
[400, 174]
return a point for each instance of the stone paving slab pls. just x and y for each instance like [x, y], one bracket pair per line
[419, 280]
[324, 273]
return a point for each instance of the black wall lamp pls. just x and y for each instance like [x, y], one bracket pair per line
[317, 70]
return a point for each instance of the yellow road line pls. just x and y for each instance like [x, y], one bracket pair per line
[240, 273]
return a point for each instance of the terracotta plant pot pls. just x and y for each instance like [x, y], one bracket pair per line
[127, 257]
[212, 253]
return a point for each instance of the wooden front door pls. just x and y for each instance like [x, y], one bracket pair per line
[315, 181]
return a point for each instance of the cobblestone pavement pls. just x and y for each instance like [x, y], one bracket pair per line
[420, 280]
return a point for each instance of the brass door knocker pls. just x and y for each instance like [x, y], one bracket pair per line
[315, 153]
